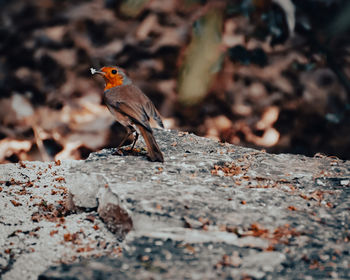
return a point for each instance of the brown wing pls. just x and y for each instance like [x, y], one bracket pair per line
[153, 112]
[131, 101]
[137, 115]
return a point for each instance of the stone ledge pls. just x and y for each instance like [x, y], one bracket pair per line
[214, 210]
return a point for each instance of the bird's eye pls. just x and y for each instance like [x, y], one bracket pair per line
[114, 71]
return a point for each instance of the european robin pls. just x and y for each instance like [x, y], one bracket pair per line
[131, 108]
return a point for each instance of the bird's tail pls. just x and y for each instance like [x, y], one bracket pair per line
[154, 152]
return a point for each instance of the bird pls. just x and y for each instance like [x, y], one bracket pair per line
[131, 108]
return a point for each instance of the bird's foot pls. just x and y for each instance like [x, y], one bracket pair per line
[127, 151]
[118, 152]
[132, 151]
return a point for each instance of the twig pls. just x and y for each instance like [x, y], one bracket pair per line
[40, 144]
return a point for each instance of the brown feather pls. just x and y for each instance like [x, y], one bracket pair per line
[153, 150]
[131, 106]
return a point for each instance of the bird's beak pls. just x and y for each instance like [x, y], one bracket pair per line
[94, 71]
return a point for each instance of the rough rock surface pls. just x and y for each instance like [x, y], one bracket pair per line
[211, 211]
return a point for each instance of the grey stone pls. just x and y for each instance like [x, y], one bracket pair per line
[115, 217]
[84, 188]
[266, 261]
[210, 211]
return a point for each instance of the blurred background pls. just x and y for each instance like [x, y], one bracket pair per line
[272, 74]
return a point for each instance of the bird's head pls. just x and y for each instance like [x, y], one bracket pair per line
[113, 76]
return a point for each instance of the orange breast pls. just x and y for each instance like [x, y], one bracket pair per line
[111, 81]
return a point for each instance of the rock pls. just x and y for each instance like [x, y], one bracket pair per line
[84, 188]
[112, 214]
[210, 211]
[36, 229]
[266, 261]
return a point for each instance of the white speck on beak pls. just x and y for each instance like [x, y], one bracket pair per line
[93, 71]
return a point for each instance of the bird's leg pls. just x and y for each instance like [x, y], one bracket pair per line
[126, 136]
[135, 139]
[124, 139]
